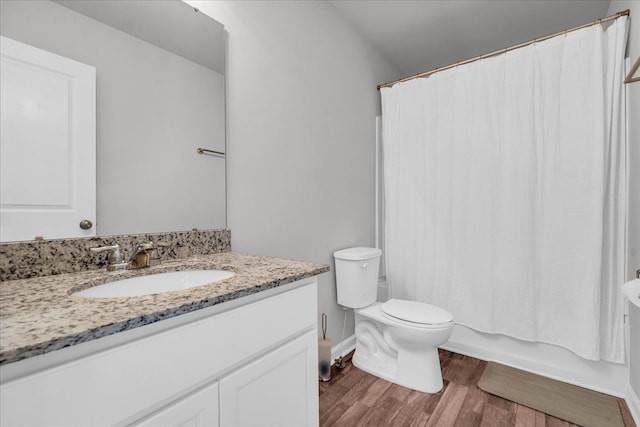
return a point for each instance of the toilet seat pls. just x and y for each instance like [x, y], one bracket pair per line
[416, 314]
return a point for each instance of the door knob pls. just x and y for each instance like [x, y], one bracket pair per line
[85, 224]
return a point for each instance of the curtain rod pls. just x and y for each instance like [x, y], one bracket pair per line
[506, 49]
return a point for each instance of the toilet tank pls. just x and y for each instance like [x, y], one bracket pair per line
[357, 276]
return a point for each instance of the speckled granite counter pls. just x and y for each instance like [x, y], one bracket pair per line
[39, 315]
[23, 260]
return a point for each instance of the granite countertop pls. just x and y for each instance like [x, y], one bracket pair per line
[39, 315]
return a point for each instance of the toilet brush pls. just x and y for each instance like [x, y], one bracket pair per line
[324, 353]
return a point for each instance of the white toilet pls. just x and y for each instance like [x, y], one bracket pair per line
[397, 340]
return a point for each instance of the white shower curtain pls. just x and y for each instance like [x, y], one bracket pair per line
[505, 191]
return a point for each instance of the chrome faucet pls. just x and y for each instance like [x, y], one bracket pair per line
[116, 259]
[143, 256]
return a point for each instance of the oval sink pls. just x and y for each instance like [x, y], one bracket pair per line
[155, 283]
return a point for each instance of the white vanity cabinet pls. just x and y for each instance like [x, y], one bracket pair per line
[251, 361]
[253, 395]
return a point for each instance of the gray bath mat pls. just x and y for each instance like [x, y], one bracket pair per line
[565, 401]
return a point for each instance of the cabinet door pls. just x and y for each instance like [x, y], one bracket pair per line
[278, 389]
[198, 409]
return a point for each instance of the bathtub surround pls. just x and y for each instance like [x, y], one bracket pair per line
[22, 260]
[516, 226]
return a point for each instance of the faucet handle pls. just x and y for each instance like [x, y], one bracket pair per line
[146, 254]
[116, 260]
[154, 256]
[99, 249]
[145, 246]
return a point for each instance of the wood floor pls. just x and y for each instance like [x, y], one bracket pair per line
[356, 398]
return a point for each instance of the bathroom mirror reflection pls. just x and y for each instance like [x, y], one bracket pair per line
[159, 68]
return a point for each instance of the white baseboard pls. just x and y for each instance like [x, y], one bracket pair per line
[343, 348]
[633, 402]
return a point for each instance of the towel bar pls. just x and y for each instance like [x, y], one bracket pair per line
[200, 150]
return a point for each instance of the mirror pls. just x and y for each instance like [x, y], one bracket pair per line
[159, 97]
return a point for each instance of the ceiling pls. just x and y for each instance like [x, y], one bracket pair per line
[171, 25]
[420, 35]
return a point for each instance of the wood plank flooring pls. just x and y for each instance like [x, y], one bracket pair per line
[356, 398]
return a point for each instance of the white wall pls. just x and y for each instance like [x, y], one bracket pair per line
[154, 108]
[633, 236]
[633, 51]
[301, 104]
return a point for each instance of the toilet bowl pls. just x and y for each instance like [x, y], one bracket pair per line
[400, 351]
[397, 340]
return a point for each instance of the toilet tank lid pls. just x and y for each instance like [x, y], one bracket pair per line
[357, 254]
[417, 312]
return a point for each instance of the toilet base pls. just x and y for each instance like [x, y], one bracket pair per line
[420, 371]
[427, 379]
[378, 354]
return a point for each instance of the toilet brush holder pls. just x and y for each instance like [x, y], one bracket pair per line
[324, 359]
[324, 353]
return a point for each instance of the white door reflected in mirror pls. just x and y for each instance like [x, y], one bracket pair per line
[47, 144]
